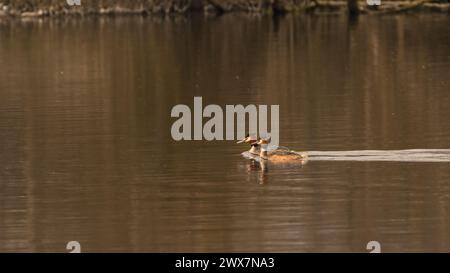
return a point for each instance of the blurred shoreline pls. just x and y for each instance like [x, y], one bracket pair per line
[55, 8]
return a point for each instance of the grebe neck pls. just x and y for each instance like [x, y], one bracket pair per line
[263, 153]
[254, 149]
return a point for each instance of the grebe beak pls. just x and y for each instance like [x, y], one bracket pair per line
[244, 140]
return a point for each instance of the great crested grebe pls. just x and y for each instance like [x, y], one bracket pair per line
[260, 152]
[279, 155]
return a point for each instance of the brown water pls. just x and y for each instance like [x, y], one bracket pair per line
[86, 152]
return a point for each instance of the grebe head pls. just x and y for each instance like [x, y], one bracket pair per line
[252, 140]
[263, 141]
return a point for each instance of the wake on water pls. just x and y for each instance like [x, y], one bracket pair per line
[412, 155]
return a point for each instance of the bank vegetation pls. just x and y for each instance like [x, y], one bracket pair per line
[41, 8]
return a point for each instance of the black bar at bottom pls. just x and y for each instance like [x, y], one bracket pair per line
[239, 262]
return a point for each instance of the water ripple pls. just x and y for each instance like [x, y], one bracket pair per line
[411, 155]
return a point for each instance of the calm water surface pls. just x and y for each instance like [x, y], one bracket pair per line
[86, 152]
